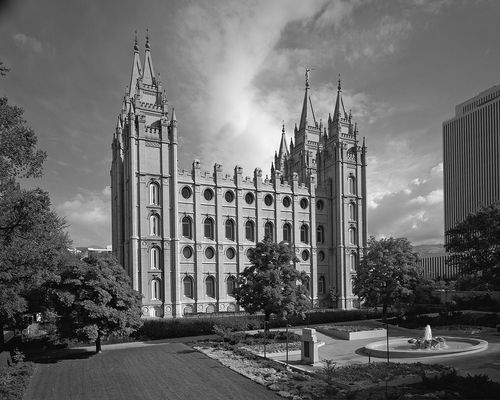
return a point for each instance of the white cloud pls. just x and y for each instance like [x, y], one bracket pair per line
[23, 40]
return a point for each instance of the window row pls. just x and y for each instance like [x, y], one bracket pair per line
[188, 286]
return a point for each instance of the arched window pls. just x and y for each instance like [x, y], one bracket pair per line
[352, 235]
[321, 285]
[320, 234]
[353, 261]
[155, 289]
[250, 231]
[187, 282]
[187, 228]
[269, 230]
[351, 185]
[352, 211]
[287, 233]
[154, 256]
[154, 225]
[154, 193]
[230, 229]
[188, 310]
[304, 233]
[210, 286]
[209, 228]
[230, 285]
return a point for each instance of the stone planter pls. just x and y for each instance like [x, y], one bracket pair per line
[374, 333]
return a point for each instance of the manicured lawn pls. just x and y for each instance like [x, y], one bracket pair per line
[163, 371]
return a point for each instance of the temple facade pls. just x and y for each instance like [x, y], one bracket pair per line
[183, 236]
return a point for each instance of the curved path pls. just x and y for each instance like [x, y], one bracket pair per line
[157, 371]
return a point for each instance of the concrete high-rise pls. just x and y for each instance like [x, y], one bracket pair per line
[471, 159]
[183, 236]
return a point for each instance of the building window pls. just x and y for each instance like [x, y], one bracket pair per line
[187, 282]
[304, 233]
[187, 252]
[230, 229]
[187, 228]
[186, 192]
[320, 234]
[208, 194]
[250, 231]
[154, 256]
[352, 211]
[287, 201]
[209, 228]
[287, 233]
[154, 193]
[188, 310]
[230, 253]
[305, 255]
[229, 196]
[231, 285]
[320, 205]
[210, 286]
[321, 256]
[321, 285]
[268, 200]
[269, 231]
[249, 198]
[304, 203]
[154, 225]
[353, 261]
[351, 185]
[210, 309]
[209, 253]
[352, 235]
[155, 289]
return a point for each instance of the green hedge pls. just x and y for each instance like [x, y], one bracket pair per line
[194, 326]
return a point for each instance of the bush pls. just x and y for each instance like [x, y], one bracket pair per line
[470, 387]
[15, 378]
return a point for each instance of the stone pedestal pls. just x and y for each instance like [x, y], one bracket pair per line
[309, 353]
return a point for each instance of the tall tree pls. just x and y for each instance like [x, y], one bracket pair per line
[474, 245]
[387, 274]
[271, 284]
[94, 299]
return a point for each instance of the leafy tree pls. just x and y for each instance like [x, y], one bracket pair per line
[387, 274]
[271, 284]
[474, 246]
[94, 299]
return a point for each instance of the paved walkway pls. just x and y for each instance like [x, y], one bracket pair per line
[347, 352]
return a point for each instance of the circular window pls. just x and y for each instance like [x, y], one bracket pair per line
[249, 198]
[321, 256]
[229, 196]
[305, 255]
[268, 200]
[186, 192]
[187, 251]
[287, 201]
[209, 252]
[249, 253]
[210, 309]
[320, 205]
[208, 194]
[230, 253]
[304, 203]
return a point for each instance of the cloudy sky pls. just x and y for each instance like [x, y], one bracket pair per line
[234, 70]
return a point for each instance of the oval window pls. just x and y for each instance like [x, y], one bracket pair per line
[230, 253]
[305, 255]
[249, 198]
[287, 201]
[304, 203]
[268, 200]
[320, 205]
[209, 252]
[186, 192]
[229, 196]
[208, 194]
[187, 251]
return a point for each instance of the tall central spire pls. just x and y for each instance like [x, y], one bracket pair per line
[307, 109]
[136, 70]
[339, 104]
[149, 72]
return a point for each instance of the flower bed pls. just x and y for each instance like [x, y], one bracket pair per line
[352, 332]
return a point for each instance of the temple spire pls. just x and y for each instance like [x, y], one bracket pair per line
[283, 146]
[149, 76]
[136, 70]
[307, 115]
[339, 104]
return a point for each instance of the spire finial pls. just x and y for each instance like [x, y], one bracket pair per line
[147, 39]
[283, 127]
[339, 87]
[308, 71]
[136, 48]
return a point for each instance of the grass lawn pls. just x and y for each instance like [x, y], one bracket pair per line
[162, 371]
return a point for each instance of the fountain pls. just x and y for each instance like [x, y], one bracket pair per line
[426, 346]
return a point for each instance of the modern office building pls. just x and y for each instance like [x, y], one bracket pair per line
[183, 236]
[471, 159]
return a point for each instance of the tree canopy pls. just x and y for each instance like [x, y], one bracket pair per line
[272, 284]
[94, 299]
[474, 246]
[387, 274]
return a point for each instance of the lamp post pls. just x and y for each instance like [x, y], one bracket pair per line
[265, 337]
[287, 344]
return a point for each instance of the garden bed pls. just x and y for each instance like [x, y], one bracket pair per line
[352, 332]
